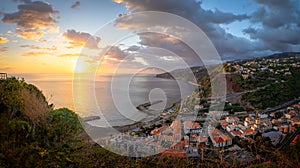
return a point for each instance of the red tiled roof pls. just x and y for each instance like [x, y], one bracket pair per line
[235, 133]
[225, 138]
[292, 112]
[215, 133]
[296, 139]
[296, 120]
[218, 140]
[297, 105]
[248, 131]
[157, 131]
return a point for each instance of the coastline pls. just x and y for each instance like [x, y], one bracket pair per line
[157, 120]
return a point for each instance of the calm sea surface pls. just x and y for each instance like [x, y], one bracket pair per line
[115, 101]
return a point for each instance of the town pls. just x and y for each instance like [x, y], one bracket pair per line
[196, 132]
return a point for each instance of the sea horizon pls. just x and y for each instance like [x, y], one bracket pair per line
[58, 90]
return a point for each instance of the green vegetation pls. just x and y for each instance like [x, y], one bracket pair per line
[276, 93]
[228, 68]
[232, 108]
[147, 130]
[32, 134]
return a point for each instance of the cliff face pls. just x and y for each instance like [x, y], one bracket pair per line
[192, 74]
[232, 85]
[200, 76]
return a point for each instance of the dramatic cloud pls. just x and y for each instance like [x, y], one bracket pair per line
[280, 24]
[171, 44]
[274, 26]
[75, 5]
[3, 40]
[53, 48]
[114, 53]
[35, 54]
[208, 20]
[77, 39]
[33, 19]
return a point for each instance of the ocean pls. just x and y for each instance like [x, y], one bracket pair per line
[115, 102]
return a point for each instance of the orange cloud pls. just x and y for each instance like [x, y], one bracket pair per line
[77, 39]
[3, 49]
[53, 48]
[3, 40]
[71, 55]
[35, 54]
[33, 19]
[5, 68]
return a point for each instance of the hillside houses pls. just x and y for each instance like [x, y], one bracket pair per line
[185, 138]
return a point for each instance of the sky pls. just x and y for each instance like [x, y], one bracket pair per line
[52, 36]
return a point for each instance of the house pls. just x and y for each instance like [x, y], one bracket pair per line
[223, 123]
[236, 134]
[189, 126]
[218, 138]
[247, 132]
[267, 125]
[231, 119]
[283, 128]
[297, 106]
[249, 121]
[157, 131]
[3, 76]
[296, 120]
[176, 126]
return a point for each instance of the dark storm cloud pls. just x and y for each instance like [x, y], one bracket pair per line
[169, 43]
[189, 9]
[279, 21]
[280, 25]
[208, 20]
[276, 13]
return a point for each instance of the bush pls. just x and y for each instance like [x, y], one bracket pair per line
[63, 125]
